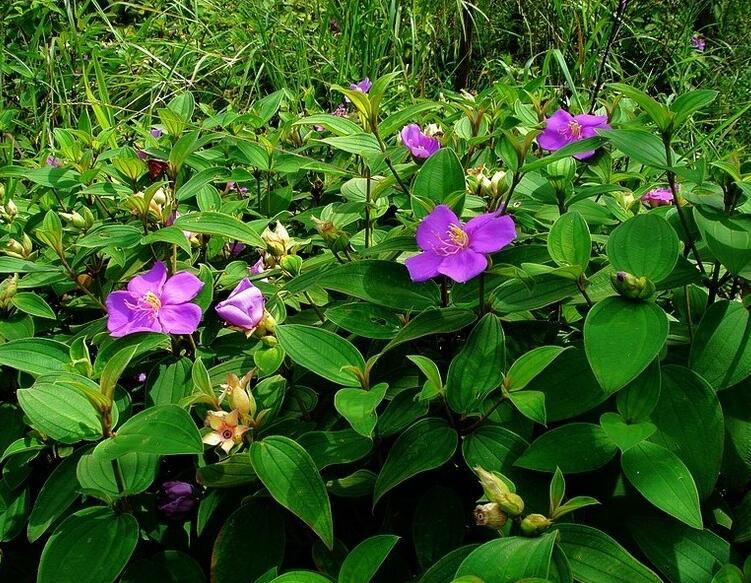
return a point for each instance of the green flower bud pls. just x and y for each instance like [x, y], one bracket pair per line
[535, 524]
[485, 186]
[512, 504]
[561, 172]
[292, 264]
[75, 219]
[494, 487]
[277, 241]
[335, 238]
[8, 288]
[490, 515]
[498, 184]
[269, 341]
[630, 286]
[15, 249]
[10, 209]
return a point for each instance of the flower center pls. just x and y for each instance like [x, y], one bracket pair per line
[458, 237]
[453, 241]
[574, 130]
[153, 301]
[227, 433]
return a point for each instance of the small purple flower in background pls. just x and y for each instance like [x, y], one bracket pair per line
[234, 248]
[363, 85]
[562, 129]
[458, 250]
[154, 303]
[420, 145]
[658, 197]
[176, 500]
[141, 378]
[699, 42]
[156, 133]
[141, 154]
[241, 190]
[341, 110]
[334, 26]
[53, 162]
[244, 308]
[257, 267]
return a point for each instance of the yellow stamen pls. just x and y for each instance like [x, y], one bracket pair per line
[458, 236]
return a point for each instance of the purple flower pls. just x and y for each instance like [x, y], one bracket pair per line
[244, 308]
[141, 377]
[141, 154]
[458, 250]
[420, 145]
[334, 26]
[234, 248]
[53, 162]
[562, 129]
[257, 267]
[241, 190]
[176, 500]
[156, 133]
[658, 197]
[363, 85]
[699, 42]
[341, 110]
[154, 303]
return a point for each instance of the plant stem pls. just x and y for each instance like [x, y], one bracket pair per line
[74, 278]
[317, 310]
[119, 481]
[484, 416]
[617, 21]
[367, 206]
[714, 284]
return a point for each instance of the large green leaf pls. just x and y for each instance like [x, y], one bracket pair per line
[159, 430]
[214, 223]
[60, 412]
[444, 569]
[36, 356]
[91, 546]
[637, 400]
[478, 367]
[292, 479]
[529, 365]
[596, 558]
[365, 320]
[728, 237]
[432, 321]
[663, 479]
[363, 561]
[358, 407]
[493, 447]
[518, 295]
[645, 245]
[325, 353]
[96, 476]
[329, 448]
[721, 351]
[574, 448]
[438, 524]
[250, 551]
[33, 304]
[569, 241]
[510, 559]
[621, 338]
[426, 445]
[690, 423]
[681, 553]
[440, 176]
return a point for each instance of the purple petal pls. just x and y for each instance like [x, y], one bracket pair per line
[489, 233]
[151, 281]
[592, 121]
[122, 319]
[244, 308]
[584, 155]
[554, 136]
[180, 318]
[434, 226]
[424, 266]
[180, 288]
[464, 265]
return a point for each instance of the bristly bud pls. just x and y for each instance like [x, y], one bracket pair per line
[75, 219]
[630, 286]
[336, 239]
[433, 130]
[535, 524]
[494, 487]
[291, 264]
[278, 241]
[490, 515]
[15, 249]
[9, 210]
[512, 504]
[8, 288]
[498, 184]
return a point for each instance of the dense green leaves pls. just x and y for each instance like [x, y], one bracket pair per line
[510, 559]
[577, 447]
[60, 412]
[363, 561]
[645, 245]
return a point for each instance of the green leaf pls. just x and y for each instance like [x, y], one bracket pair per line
[201, 179]
[569, 241]
[165, 567]
[301, 577]
[529, 365]
[510, 559]
[60, 490]
[358, 407]
[60, 412]
[114, 369]
[689, 422]
[637, 400]
[31, 303]
[728, 238]
[433, 385]
[383, 283]
[333, 123]
[36, 356]
[574, 448]
[625, 435]
[478, 367]
[444, 569]
[494, 448]
[680, 553]
[73, 554]
[426, 445]
[145, 341]
[365, 320]
[325, 353]
[97, 476]
[432, 321]
[250, 551]
[111, 235]
[361, 144]
[16, 265]
[639, 145]
[645, 245]
[596, 558]
[518, 295]
[14, 507]
[159, 430]
[658, 112]
[439, 177]
[232, 471]
[531, 404]
[170, 382]
[329, 448]
[170, 234]
[362, 563]
[214, 223]
[721, 351]
[621, 338]
[686, 104]
[663, 479]
[292, 479]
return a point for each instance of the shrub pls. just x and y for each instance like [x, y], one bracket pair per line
[290, 348]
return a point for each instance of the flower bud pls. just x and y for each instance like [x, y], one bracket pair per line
[75, 219]
[277, 241]
[433, 130]
[15, 249]
[484, 185]
[489, 515]
[561, 172]
[512, 504]
[336, 239]
[291, 264]
[8, 288]
[176, 500]
[269, 341]
[498, 184]
[159, 197]
[630, 286]
[535, 524]
[266, 327]
[11, 209]
[494, 487]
